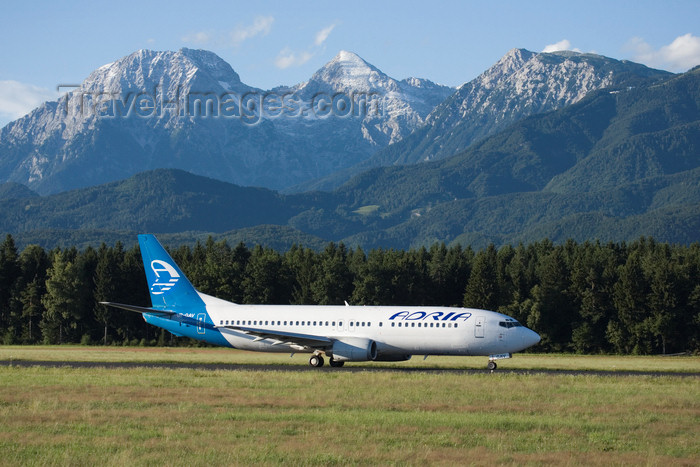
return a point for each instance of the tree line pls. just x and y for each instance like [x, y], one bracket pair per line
[636, 298]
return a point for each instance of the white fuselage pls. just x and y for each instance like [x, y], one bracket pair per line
[411, 330]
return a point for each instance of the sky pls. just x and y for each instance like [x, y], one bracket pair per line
[269, 43]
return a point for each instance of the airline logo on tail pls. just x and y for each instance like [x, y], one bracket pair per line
[168, 279]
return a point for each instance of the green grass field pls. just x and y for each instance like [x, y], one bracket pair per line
[147, 416]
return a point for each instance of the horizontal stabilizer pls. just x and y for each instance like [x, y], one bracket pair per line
[140, 309]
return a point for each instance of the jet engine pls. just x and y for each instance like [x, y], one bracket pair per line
[354, 350]
[362, 350]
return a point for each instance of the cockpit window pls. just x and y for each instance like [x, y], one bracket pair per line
[511, 323]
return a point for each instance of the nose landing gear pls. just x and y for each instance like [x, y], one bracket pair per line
[492, 360]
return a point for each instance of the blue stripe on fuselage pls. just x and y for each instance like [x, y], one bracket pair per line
[188, 327]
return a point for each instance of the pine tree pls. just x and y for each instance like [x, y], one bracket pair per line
[552, 312]
[34, 264]
[592, 278]
[482, 288]
[301, 263]
[266, 279]
[333, 284]
[628, 334]
[60, 300]
[108, 279]
[10, 273]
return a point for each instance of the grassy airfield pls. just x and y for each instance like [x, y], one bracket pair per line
[146, 416]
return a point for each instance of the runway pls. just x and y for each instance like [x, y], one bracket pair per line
[347, 368]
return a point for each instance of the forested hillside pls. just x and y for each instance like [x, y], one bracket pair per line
[636, 298]
[618, 164]
[606, 167]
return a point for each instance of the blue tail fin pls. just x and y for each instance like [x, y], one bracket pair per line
[168, 286]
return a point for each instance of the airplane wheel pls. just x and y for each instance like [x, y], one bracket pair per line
[335, 363]
[316, 361]
[492, 366]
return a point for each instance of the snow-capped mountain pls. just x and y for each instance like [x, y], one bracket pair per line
[520, 84]
[391, 108]
[189, 109]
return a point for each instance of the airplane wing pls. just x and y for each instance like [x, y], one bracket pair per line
[140, 309]
[290, 338]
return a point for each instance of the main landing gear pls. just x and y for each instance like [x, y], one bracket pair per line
[491, 366]
[316, 361]
[335, 363]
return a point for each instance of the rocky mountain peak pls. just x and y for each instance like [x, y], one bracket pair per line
[185, 109]
[512, 61]
[145, 69]
[523, 83]
[348, 70]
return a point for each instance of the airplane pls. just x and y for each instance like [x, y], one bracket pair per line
[342, 333]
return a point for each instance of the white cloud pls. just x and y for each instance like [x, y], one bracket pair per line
[199, 38]
[680, 55]
[18, 99]
[323, 34]
[287, 58]
[261, 26]
[563, 44]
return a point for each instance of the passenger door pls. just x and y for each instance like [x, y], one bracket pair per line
[479, 324]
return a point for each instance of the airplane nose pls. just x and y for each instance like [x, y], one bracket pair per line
[531, 338]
